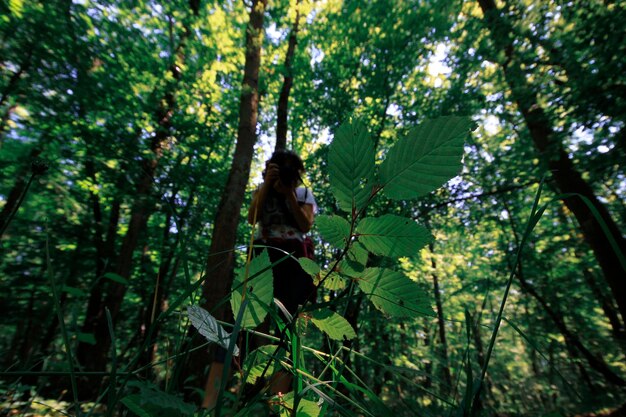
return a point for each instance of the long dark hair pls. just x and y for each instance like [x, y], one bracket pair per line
[290, 165]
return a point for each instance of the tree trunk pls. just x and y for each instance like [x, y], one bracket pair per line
[567, 178]
[428, 366]
[441, 325]
[609, 309]
[140, 212]
[605, 300]
[220, 261]
[595, 362]
[15, 78]
[18, 188]
[571, 339]
[283, 99]
[167, 271]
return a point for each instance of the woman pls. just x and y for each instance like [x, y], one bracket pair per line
[283, 212]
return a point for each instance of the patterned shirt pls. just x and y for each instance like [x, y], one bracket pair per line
[276, 221]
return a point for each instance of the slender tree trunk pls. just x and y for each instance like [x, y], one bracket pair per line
[610, 312]
[21, 179]
[167, 270]
[140, 212]
[571, 339]
[4, 121]
[283, 99]
[220, 261]
[428, 367]
[567, 178]
[594, 361]
[105, 249]
[441, 324]
[11, 86]
[605, 300]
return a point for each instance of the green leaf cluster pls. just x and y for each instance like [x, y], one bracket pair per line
[420, 162]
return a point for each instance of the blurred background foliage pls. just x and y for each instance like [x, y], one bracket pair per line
[134, 106]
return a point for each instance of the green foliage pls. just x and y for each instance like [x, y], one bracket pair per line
[334, 229]
[309, 266]
[208, 327]
[254, 281]
[420, 162]
[263, 361]
[351, 165]
[331, 323]
[116, 278]
[423, 160]
[392, 235]
[306, 408]
[394, 294]
[135, 106]
[152, 402]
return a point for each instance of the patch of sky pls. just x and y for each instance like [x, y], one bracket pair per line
[158, 8]
[487, 156]
[494, 97]
[581, 136]
[491, 124]
[274, 34]
[317, 55]
[393, 110]
[437, 67]
[263, 152]
[93, 12]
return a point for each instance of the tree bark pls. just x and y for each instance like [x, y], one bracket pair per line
[567, 178]
[141, 209]
[14, 195]
[571, 339]
[595, 362]
[167, 270]
[441, 324]
[220, 261]
[608, 308]
[283, 99]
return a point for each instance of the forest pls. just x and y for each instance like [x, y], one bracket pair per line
[468, 163]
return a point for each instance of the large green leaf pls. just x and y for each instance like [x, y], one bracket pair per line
[153, 402]
[116, 278]
[334, 229]
[258, 286]
[357, 254]
[161, 404]
[351, 165]
[133, 403]
[309, 266]
[426, 158]
[350, 269]
[392, 235]
[331, 323]
[208, 327]
[333, 282]
[306, 408]
[393, 293]
[256, 362]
